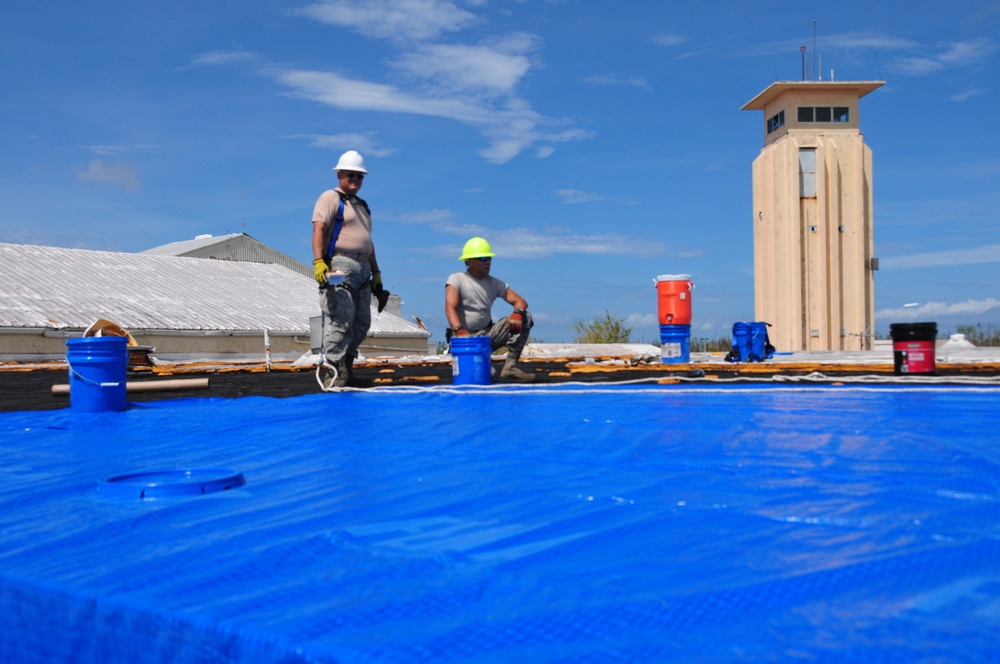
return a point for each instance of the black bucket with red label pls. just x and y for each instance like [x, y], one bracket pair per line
[913, 347]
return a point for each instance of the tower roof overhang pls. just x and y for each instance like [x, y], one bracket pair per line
[778, 88]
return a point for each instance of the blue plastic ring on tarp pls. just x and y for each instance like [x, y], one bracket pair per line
[170, 483]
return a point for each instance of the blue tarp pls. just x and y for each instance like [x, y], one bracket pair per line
[518, 525]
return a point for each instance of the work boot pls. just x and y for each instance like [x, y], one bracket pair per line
[340, 380]
[333, 375]
[511, 373]
[325, 375]
[353, 380]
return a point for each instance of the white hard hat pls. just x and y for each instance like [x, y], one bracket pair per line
[351, 161]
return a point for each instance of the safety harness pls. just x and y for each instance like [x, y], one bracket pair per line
[338, 223]
[383, 295]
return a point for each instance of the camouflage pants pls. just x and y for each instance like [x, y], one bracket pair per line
[346, 309]
[501, 336]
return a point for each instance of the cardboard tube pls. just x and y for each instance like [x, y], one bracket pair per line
[150, 386]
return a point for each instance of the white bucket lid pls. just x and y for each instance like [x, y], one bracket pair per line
[673, 277]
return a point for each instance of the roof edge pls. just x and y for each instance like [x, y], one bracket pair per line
[778, 88]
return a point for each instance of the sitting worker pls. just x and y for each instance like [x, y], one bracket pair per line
[468, 303]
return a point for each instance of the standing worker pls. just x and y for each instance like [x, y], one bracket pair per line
[345, 268]
[468, 303]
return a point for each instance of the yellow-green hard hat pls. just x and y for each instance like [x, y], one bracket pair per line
[477, 247]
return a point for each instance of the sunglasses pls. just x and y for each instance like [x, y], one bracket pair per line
[485, 259]
[353, 176]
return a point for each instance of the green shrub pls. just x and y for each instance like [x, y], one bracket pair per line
[607, 330]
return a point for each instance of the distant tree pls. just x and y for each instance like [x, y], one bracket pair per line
[979, 335]
[606, 330]
[706, 345]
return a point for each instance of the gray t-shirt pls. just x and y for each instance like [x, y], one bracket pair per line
[475, 298]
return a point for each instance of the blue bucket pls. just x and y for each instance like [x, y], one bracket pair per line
[471, 362]
[676, 344]
[97, 368]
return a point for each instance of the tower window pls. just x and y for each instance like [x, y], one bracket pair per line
[807, 172]
[776, 122]
[824, 114]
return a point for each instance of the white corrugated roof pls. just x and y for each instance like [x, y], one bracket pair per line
[184, 246]
[56, 288]
[233, 247]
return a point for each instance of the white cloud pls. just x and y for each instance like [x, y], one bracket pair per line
[434, 217]
[913, 58]
[848, 45]
[931, 310]
[464, 69]
[639, 321]
[221, 57]
[525, 244]
[967, 95]
[951, 55]
[577, 196]
[989, 253]
[122, 174]
[667, 40]
[340, 92]
[689, 253]
[690, 54]
[394, 20]
[533, 243]
[916, 66]
[964, 53]
[623, 81]
[862, 41]
[511, 126]
[363, 143]
[110, 150]
[474, 84]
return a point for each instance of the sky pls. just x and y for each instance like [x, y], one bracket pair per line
[594, 144]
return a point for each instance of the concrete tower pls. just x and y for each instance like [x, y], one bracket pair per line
[812, 215]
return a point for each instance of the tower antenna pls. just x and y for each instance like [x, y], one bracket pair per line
[815, 70]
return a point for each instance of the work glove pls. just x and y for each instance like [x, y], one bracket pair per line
[320, 268]
[383, 298]
[377, 282]
[462, 332]
[515, 322]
